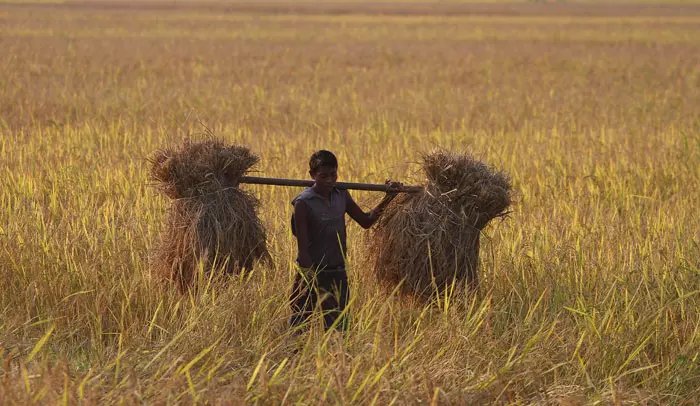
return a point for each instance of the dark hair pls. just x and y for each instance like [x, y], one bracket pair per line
[322, 158]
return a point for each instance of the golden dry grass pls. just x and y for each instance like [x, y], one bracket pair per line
[590, 290]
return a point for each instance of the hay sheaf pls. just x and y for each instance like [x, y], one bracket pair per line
[429, 239]
[196, 168]
[211, 223]
[467, 186]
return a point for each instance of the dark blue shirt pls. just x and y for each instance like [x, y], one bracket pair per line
[326, 226]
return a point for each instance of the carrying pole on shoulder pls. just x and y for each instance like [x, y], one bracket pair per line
[373, 187]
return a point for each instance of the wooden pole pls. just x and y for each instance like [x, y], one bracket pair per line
[340, 185]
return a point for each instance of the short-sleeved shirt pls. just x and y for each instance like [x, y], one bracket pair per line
[326, 226]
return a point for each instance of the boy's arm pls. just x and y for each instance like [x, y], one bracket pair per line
[302, 231]
[366, 220]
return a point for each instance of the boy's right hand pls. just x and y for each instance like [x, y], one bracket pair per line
[305, 261]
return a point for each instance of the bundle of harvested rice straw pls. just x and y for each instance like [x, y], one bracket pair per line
[429, 240]
[212, 224]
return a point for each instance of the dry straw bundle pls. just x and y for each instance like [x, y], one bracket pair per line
[211, 222]
[427, 240]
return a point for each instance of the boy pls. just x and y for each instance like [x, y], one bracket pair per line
[319, 226]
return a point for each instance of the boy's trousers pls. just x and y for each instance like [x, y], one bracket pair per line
[324, 290]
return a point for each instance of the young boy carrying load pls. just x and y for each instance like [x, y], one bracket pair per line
[319, 226]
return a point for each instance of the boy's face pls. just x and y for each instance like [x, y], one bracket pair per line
[325, 177]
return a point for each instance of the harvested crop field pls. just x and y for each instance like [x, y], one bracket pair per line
[589, 287]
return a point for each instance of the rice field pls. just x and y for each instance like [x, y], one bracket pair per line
[590, 288]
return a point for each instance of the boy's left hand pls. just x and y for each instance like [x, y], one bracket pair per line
[393, 188]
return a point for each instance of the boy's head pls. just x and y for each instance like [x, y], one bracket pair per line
[321, 159]
[323, 168]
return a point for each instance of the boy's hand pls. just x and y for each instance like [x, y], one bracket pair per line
[393, 188]
[305, 261]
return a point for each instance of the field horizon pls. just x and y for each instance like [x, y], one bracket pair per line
[590, 286]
